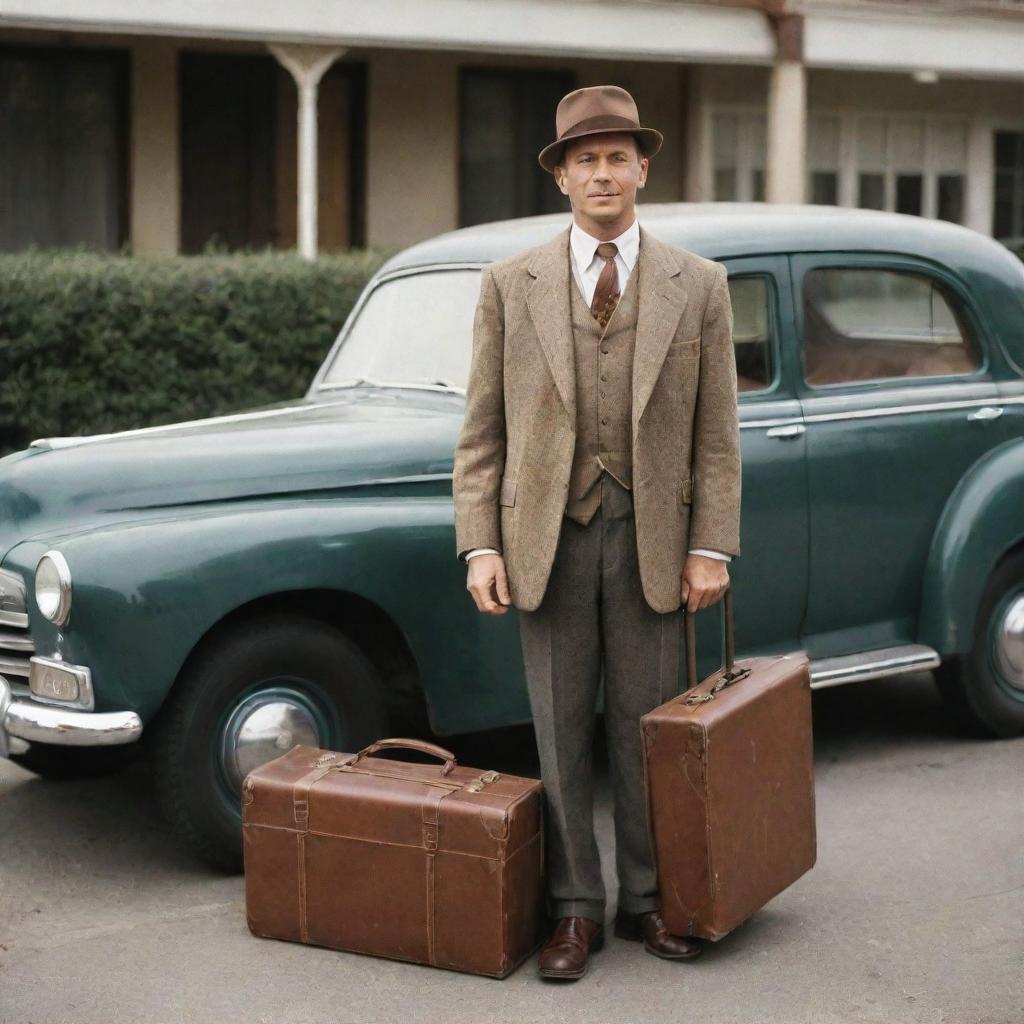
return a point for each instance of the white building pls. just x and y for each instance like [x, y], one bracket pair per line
[166, 124]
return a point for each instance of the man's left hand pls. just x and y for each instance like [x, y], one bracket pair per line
[705, 581]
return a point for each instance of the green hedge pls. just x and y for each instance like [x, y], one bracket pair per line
[92, 343]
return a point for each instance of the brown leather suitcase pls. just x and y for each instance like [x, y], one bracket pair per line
[439, 865]
[730, 786]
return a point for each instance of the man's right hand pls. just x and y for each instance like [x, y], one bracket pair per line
[487, 582]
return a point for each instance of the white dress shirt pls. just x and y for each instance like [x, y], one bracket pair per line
[587, 267]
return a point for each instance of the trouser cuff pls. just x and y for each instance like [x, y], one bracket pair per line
[593, 909]
[630, 904]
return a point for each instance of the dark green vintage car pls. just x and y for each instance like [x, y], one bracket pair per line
[225, 588]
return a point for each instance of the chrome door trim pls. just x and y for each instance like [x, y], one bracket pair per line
[904, 410]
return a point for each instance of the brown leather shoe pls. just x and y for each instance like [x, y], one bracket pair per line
[657, 939]
[565, 954]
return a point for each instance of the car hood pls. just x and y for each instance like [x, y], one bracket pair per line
[356, 438]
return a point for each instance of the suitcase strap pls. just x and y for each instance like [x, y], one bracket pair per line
[300, 811]
[430, 820]
[300, 795]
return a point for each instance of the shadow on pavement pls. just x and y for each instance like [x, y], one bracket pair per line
[115, 819]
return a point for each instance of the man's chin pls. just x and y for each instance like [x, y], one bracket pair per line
[604, 213]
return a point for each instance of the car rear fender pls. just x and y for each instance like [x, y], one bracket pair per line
[982, 521]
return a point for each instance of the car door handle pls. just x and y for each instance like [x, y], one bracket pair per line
[787, 432]
[986, 412]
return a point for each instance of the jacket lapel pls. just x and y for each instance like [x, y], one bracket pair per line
[547, 298]
[662, 300]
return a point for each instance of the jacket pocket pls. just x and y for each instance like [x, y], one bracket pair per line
[508, 490]
[686, 491]
[685, 344]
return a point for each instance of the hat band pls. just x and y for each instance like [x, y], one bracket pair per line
[600, 122]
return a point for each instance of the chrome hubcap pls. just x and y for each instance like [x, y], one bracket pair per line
[261, 728]
[1009, 643]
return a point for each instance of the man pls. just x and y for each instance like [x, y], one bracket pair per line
[597, 488]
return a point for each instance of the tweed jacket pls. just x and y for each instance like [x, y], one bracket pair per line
[515, 448]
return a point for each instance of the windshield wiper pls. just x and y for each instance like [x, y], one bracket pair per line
[355, 382]
[352, 382]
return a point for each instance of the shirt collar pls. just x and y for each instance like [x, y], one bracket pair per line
[584, 246]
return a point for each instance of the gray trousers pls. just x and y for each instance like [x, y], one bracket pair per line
[594, 615]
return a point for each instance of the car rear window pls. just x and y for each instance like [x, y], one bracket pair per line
[867, 323]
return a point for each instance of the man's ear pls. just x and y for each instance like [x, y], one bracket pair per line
[559, 174]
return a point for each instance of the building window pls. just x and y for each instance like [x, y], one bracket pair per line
[911, 164]
[739, 144]
[908, 163]
[947, 160]
[506, 117]
[823, 159]
[1008, 218]
[227, 150]
[63, 139]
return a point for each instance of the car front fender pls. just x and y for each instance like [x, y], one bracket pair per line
[145, 592]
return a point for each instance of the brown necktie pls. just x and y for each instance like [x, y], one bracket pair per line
[606, 294]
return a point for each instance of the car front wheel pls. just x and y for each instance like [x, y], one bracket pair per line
[985, 686]
[245, 699]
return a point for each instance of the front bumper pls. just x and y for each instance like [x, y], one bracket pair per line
[22, 720]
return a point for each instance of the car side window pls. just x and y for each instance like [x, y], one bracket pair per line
[872, 323]
[751, 331]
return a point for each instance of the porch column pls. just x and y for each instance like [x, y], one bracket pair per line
[698, 157]
[786, 158]
[155, 158]
[307, 64]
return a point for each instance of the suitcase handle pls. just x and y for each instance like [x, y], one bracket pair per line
[409, 744]
[732, 674]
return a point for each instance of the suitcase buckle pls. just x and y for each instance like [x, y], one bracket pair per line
[323, 759]
[430, 836]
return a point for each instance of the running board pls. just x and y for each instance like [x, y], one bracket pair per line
[887, 661]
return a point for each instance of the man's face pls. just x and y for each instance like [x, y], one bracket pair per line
[600, 174]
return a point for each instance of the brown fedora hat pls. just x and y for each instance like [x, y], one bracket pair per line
[598, 108]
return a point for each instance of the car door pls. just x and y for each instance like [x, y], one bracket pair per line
[897, 393]
[769, 579]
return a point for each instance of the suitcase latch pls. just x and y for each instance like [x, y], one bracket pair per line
[727, 679]
[323, 759]
[478, 784]
[699, 698]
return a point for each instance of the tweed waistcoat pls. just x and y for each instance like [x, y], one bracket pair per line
[604, 370]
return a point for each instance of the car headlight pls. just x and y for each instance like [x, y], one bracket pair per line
[53, 587]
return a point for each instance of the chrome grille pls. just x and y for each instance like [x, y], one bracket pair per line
[16, 645]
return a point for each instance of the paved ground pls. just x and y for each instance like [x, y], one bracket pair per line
[914, 911]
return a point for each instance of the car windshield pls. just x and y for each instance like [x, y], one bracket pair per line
[416, 329]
